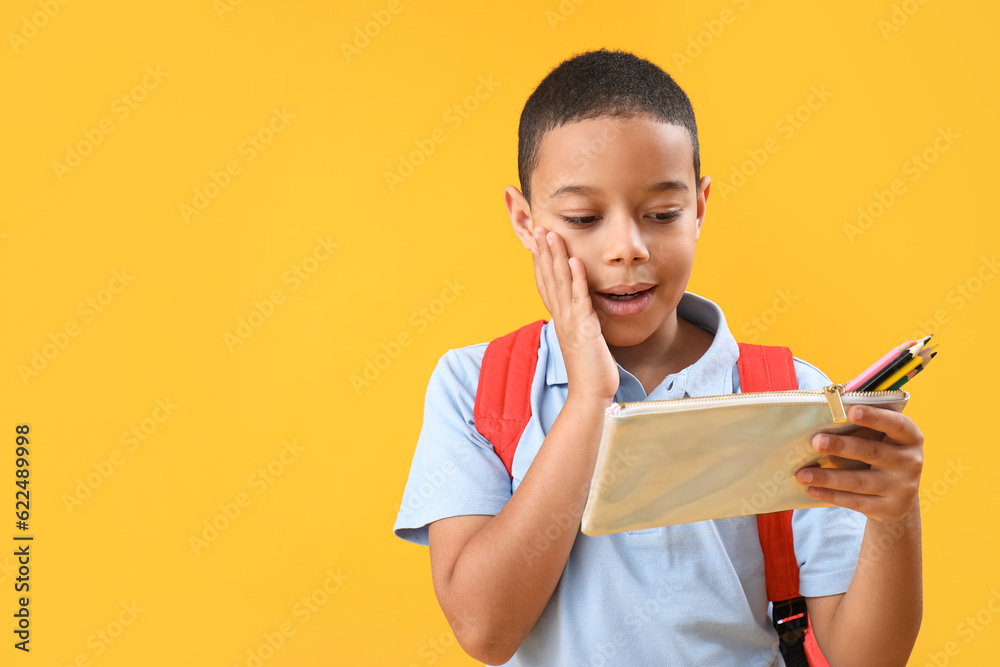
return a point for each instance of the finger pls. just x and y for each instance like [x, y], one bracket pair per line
[580, 288]
[865, 449]
[873, 482]
[899, 428]
[539, 281]
[544, 274]
[560, 267]
[866, 504]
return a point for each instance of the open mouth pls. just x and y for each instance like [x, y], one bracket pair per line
[624, 296]
[621, 302]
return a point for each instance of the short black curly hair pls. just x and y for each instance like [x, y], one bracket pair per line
[596, 84]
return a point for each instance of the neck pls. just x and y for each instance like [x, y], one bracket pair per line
[675, 346]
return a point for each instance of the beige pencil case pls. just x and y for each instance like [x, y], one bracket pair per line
[667, 462]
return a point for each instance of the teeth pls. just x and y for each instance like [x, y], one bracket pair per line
[623, 297]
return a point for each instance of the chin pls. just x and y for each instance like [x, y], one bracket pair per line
[623, 335]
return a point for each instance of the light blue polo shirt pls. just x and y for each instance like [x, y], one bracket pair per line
[690, 594]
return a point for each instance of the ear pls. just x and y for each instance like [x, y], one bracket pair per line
[520, 215]
[703, 188]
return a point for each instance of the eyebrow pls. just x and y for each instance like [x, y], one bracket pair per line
[663, 186]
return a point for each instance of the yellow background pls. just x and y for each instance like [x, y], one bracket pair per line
[329, 513]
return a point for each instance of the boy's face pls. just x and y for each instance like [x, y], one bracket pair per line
[622, 194]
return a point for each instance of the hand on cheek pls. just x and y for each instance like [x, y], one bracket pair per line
[562, 284]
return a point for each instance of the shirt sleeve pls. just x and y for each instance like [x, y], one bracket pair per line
[454, 471]
[827, 539]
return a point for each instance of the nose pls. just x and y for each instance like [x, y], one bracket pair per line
[624, 242]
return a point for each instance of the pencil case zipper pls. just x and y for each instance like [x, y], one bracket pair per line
[833, 394]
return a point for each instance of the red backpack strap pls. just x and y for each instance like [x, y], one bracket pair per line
[771, 368]
[503, 398]
[766, 368]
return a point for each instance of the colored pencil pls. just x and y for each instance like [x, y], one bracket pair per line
[894, 366]
[869, 372]
[906, 368]
[909, 376]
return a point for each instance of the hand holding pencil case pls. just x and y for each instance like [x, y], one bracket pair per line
[676, 461]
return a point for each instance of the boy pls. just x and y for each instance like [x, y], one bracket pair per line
[612, 204]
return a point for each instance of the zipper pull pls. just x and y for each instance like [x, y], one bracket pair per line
[833, 393]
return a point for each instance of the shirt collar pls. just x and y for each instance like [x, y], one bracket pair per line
[712, 374]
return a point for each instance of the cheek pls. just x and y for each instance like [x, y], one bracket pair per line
[686, 254]
[679, 255]
[590, 269]
[576, 248]
[590, 266]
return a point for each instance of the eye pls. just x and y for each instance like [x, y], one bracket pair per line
[582, 220]
[666, 216]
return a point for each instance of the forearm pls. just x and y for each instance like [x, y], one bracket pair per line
[878, 620]
[507, 572]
